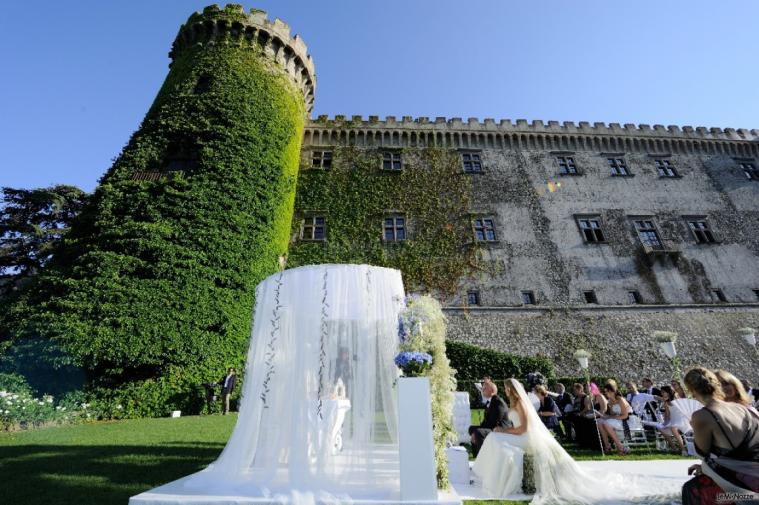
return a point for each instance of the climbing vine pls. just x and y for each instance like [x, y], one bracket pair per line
[355, 194]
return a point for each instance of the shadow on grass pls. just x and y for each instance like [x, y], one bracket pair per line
[102, 475]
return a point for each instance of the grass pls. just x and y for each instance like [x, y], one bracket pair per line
[107, 462]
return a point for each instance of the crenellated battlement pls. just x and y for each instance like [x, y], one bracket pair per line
[473, 133]
[232, 25]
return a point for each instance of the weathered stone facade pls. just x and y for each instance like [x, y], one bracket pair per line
[540, 248]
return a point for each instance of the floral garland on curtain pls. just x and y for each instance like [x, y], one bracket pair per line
[269, 354]
[421, 330]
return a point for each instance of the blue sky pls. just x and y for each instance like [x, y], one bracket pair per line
[78, 77]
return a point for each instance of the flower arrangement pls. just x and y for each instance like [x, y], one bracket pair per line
[413, 364]
[665, 336]
[746, 331]
[581, 353]
[421, 331]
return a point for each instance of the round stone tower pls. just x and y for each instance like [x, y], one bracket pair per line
[153, 292]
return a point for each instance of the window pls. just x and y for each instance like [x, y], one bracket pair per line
[718, 296]
[314, 228]
[321, 159]
[472, 297]
[472, 162]
[633, 297]
[484, 229]
[528, 298]
[391, 161]
[701, 231]
[752, 173]
[756, 293]
[590, 296]
[648, 234]
[590, 228]
[665, 168]
[618, 167]
[203, 84]
[566, 165]
[394, 228]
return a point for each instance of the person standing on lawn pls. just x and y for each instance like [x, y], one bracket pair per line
[227, 386]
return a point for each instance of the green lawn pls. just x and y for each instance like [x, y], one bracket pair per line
[107, 462]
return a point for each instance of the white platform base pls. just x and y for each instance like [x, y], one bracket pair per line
[174, 493]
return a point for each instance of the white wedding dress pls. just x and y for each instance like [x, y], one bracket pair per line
[558, 478]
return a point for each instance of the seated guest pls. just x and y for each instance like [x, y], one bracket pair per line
[675, 424]
[572, 413]
[584, 424]
[726, 436]
[547, 410]
[495, 415]
[678, 388]
[615, 418]
[732, 388]
[597, 401]
[643, 404]
[563, 400]
[648, 387]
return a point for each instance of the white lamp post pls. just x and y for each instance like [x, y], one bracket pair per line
[666, 340]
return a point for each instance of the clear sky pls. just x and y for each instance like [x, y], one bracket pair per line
[78, 76]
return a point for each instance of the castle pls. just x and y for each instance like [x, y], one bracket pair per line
[539, 238]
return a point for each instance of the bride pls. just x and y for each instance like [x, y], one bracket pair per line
[558, 478]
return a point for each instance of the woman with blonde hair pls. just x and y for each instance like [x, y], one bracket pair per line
[726, 436]
[732, 388]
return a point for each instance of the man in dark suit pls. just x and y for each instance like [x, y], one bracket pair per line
[227, 383]
[648, 387]
[495, 415]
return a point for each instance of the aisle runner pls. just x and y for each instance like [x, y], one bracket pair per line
[660, 469]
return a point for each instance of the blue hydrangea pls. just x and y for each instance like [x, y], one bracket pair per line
[405, 358]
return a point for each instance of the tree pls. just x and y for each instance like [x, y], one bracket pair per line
[32, 223]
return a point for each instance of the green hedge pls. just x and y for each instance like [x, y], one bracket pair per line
[153, 291]
[472, 363]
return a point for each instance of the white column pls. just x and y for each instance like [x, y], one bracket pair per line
[417, 455]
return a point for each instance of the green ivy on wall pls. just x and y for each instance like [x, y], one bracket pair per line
[153, 291]
[355, 194]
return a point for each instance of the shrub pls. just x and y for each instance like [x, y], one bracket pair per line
[472, 363]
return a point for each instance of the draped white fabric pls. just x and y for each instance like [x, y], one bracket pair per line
[295, 440]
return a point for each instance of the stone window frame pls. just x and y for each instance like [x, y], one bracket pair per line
[321, 159]
[649, 226]
[528, 298]
[484, 227]
[473, 294]
[560, 160]
[665, 168]
[617, 162]
[471, 153]
[394, 226]
[590, 297]
[309, 226]
[580, 218]
[391, 158]
[701, 230]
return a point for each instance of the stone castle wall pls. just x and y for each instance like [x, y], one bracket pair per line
[540, 248]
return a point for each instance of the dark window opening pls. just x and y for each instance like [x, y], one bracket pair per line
[472, 162]
[756, 293]
[702, 232]
[591, 230]
[203, 85]
[484, 230]
[633, 297]
[567, 165]
[473, 298]
[618, 167]
[590, 296]
[718, 296]
[391, 161]
[321, 159]
[528, 298]
[750, 170]
[394, 228]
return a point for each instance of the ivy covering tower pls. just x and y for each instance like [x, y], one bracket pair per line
[153, 291]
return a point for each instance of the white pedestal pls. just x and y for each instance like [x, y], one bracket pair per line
[417, 455]
[458, 465]
[462, 415]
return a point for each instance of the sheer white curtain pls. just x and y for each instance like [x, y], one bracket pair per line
[313, 325]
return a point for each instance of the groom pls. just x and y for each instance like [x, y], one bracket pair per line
[495, 415]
